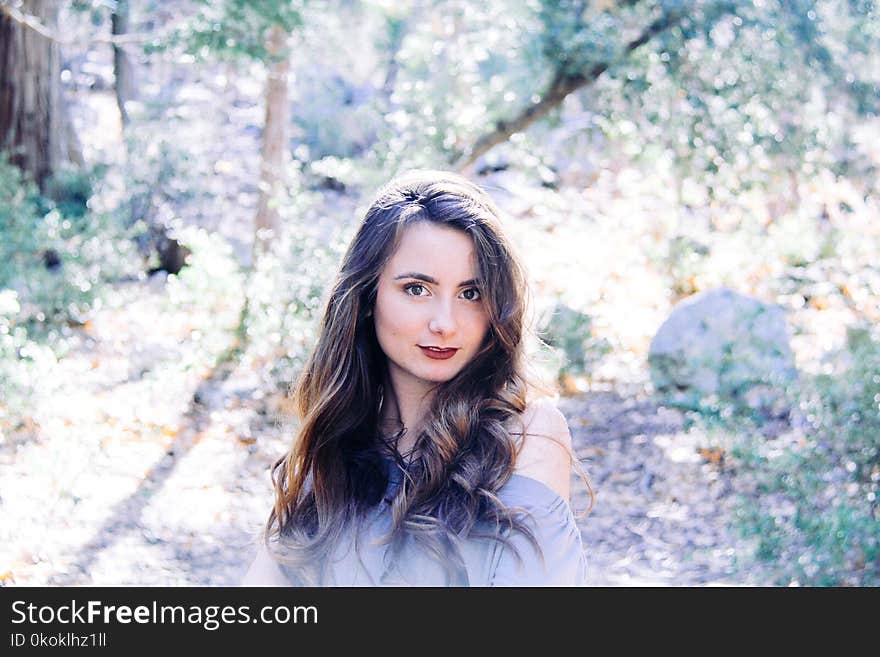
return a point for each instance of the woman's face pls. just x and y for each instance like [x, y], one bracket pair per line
[429, 316]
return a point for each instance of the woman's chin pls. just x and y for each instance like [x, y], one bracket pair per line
[437, 378]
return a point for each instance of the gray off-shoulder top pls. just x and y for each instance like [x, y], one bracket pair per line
[357, 561]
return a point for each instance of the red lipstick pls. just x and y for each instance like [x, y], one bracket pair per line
[437, 353]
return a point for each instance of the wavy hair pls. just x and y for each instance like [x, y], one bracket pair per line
[335, 471]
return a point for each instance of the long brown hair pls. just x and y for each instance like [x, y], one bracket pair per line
[335, 470]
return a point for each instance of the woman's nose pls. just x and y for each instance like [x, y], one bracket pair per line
[442, 320]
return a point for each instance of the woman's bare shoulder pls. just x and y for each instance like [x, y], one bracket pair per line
[545, 453]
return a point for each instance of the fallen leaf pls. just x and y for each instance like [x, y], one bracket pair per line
[712, 454]
[568, 386]
[820, 303]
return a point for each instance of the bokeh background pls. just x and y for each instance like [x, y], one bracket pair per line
[693, 186]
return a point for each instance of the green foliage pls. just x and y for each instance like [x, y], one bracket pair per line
[55, 255]
[55, 258]
[286, 290]
[575, 36]
[15, 372]
[235, 28]
[330, 120]
[262, 319]
[156, 182]
[683, 264]
[570, 333]
[71, 189]
[728, 92]
[849, 406]
[285, 295]
[211, 290]
[96, 10]
[812, 511]
[457, 75]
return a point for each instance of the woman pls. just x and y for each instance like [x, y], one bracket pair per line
[418, 460]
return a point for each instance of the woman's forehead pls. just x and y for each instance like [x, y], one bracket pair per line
[443, 250]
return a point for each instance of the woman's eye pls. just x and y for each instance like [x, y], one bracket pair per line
[415, 289]
[471, 294]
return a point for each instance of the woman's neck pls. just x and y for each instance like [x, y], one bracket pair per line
[405, 407]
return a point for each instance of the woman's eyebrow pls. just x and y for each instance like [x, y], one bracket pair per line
[428, 279]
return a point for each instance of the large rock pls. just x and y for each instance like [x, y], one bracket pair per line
[721, 343]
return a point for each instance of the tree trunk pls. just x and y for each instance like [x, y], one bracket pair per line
[122, 68]
[32, 127]
[275, 147]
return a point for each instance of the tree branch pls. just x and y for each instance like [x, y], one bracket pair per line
[28, 21]
[33, 23]
[561, 86]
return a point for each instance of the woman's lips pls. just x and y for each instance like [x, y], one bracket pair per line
[438, 354]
